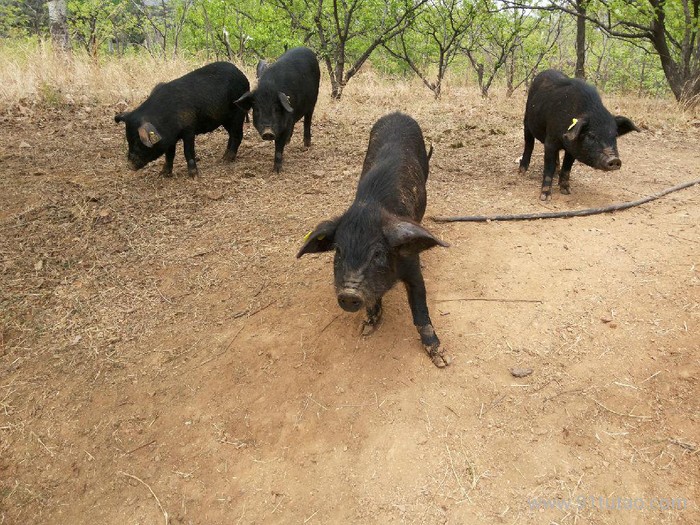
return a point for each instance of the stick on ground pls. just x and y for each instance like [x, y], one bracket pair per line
[568, 213]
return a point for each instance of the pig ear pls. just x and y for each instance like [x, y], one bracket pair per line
[575, 128]
[410, 238]
[320, 239]
[624, 125]
[121, 117]
[246, 101]
[262, 66]
[148, 134]
[284, 99]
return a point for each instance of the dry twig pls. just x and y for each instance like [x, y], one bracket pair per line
[601, 405]
[165, 514]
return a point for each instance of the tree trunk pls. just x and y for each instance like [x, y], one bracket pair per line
[580, 39]
[336, 88]
[683, 81]
[227, 43]
[58, 24]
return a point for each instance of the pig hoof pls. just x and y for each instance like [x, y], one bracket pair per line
[565, 191]
[545, 196]
[522, 170]
[368, 328]
[438, 355]
[229, 156]
[166, 173]
[193, 172]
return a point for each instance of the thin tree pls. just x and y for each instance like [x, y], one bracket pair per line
[346, 32]
[580, 6]
[442, 25]
[58, 24]
[496, 35]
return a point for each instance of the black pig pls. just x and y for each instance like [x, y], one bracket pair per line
[198, 102]
[377, 241]
[567, 113]
[287, 90]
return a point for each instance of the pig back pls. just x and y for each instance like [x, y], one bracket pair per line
[395, 169]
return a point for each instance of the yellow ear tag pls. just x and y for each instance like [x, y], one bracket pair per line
[573, 123]
[308, 234]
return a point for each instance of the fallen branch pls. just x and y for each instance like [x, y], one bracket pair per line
[489, 300]
[568, 213]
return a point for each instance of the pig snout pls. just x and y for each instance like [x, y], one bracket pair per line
[268, 134]
[135, 163]
[611, 163]
[350, 300]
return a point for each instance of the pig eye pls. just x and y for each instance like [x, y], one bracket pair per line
[378, 255]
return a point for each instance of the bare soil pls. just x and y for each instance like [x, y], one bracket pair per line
[164, 358]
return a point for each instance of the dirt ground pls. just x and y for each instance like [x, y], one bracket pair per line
[164, 358]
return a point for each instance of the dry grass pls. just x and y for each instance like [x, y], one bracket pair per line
[32, 73]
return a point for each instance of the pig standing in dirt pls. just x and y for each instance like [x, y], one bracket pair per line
[567, 113]
[377, 241]
[287, 90]
[198, 102]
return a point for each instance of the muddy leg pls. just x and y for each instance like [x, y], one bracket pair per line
[551, 155]
[192, 170]
[374, 317]
[410, 274]
[564, 173]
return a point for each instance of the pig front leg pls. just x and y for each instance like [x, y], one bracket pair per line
[551, 159]
[410, 274]
[307, 128]
[565, 172]
[374, 317]
[279, 150]
[167, 170]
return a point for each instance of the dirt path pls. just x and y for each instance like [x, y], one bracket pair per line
[162, 351]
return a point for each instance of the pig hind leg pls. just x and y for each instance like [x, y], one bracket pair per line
[188, 142]
[527, 152]
[565, 172]
[235, 136]
[410, 274]
[374, 317]
[307, 128]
